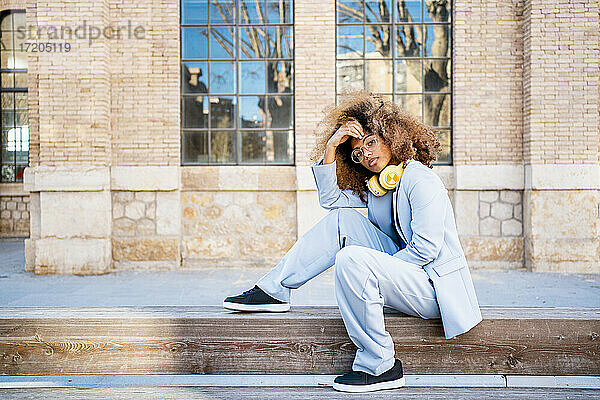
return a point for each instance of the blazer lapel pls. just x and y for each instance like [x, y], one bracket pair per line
[397, 224]
[398, 190]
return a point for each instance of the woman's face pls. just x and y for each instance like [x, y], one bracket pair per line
[376, 158]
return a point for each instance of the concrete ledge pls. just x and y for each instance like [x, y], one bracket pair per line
[12, 189]
[153, 178]
[240, 177]
[560, 381]
[71, 178]
[489, 177]
[227, 380]
[306, 181]
[562, 176]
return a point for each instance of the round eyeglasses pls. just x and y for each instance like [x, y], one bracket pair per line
[370, 143]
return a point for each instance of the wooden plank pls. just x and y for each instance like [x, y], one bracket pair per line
[308, 340]
[166, 393]
[297, 311]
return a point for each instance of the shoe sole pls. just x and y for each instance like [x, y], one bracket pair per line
[256, 307]
[369, 388]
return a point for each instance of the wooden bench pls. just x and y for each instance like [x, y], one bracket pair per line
[306, 340]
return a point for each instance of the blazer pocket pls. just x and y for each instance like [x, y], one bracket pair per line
[449, 266]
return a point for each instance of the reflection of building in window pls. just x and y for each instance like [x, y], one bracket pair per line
[14, 137]
[278, 113]
[246, 116]
[401, 50]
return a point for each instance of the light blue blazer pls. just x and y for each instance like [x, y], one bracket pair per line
[418, 216]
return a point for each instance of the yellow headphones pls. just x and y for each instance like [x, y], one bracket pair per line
[387, 179]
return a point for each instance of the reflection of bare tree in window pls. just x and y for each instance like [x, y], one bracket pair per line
[220, 143]
[410, 42]
[256, 42]
[252, 47]
[224, 11]
[436, 71]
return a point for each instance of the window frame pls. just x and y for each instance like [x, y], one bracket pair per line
[14, 89]
[237, 95]
[394, 59]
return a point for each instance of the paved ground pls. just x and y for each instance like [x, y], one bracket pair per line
[210, 286]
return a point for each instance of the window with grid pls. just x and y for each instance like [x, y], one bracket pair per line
[237, 82]
[401, 50]
[14, 137]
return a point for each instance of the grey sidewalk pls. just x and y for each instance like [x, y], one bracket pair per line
[211, 286]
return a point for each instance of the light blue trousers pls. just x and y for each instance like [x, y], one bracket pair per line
[367, 277]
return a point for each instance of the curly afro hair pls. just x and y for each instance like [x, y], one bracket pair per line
[407, 137]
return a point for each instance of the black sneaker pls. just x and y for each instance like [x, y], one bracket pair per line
[255, 299]
[358, 381]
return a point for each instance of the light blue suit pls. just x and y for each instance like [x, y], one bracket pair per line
[406, 255]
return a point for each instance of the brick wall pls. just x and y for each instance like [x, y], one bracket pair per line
[14, 216]
[12, 4]
[72, 95]
[314, 33]
[488, 62]
[561, 82]
[145, 84]
[115, 100]
[127, 91]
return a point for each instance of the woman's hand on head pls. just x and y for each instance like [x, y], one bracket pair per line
[348, 129]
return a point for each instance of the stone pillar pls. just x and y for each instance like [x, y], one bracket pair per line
[70, 222]
[562, 178]
[68, 177]
[309, 211]
[105, 140]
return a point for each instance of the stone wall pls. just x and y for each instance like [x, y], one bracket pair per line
[14, 216]
[140, 236]
[501, 213]
[237, 228]
[490, 224]
[237, 216]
